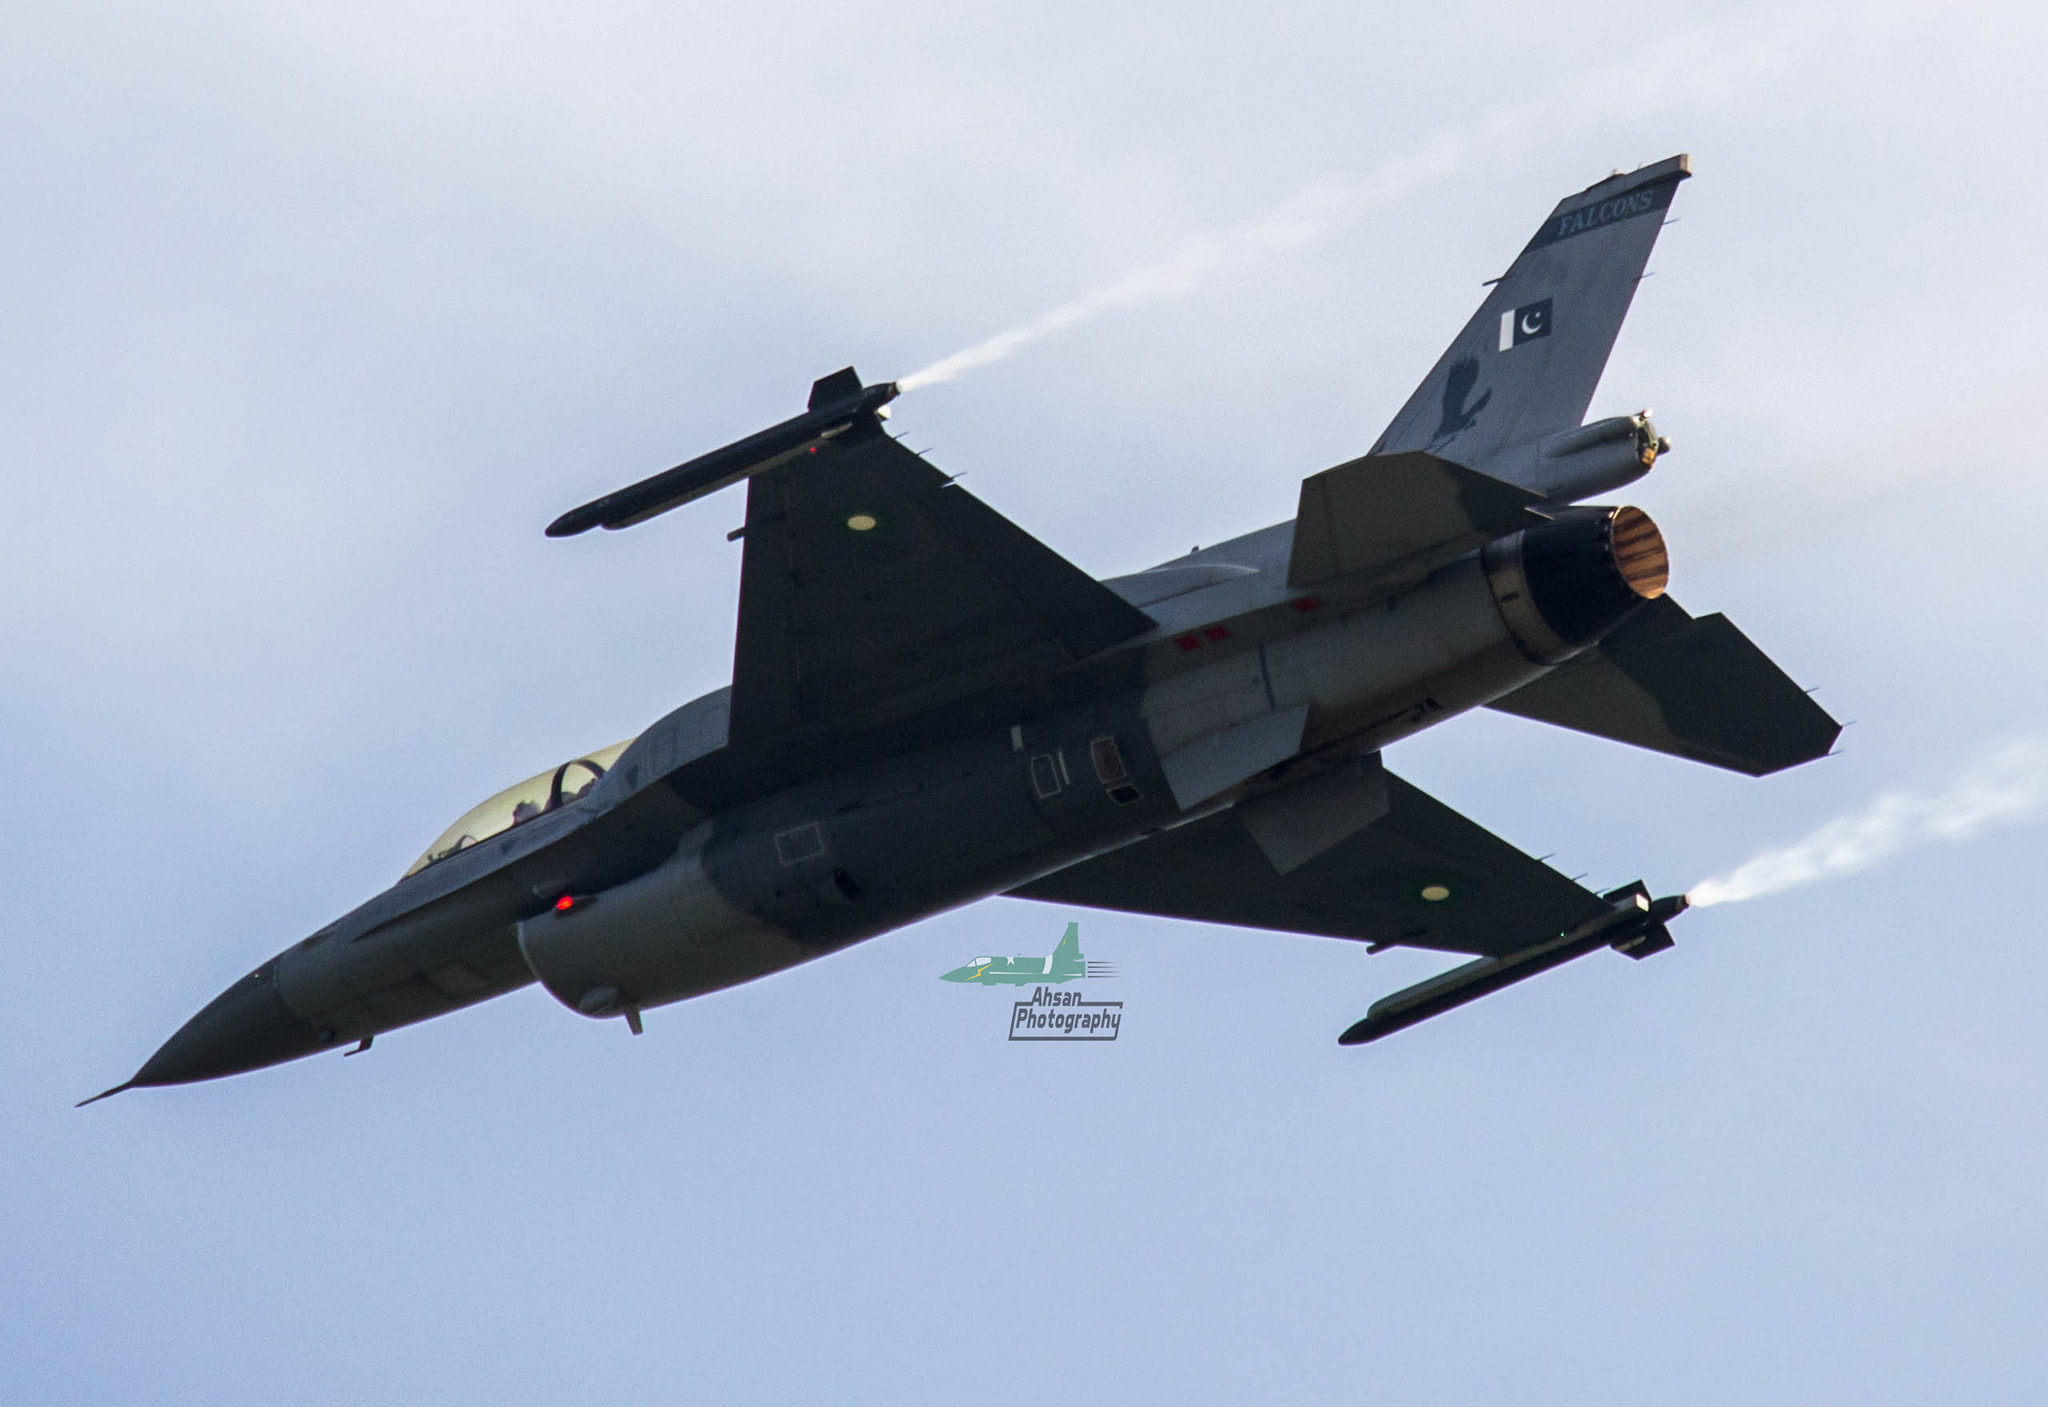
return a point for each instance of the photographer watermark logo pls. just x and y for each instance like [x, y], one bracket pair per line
[1063, 1016]
[1050, 1014]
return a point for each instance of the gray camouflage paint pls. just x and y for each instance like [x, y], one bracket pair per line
[691, 867]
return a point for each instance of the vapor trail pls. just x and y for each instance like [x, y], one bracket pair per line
[1703, 66]
[1305, 218]
[2007, 786]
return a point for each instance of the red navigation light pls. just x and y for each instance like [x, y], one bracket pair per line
[565, 903]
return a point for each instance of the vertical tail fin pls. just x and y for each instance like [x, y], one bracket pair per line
[1526, 365]
[1069, 950]
[1066, 962]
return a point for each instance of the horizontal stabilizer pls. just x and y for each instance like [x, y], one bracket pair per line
[1388, 509]
[1696, 689]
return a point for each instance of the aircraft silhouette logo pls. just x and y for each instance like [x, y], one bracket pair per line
[1064, 964]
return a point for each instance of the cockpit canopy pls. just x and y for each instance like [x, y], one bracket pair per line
[535, 796]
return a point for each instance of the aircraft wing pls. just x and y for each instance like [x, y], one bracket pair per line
[1696, 689]
[1421, 876]
[874, 589]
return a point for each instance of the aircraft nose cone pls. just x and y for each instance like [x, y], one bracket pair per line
[244, 1028]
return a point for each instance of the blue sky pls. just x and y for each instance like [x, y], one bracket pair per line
[317, 314]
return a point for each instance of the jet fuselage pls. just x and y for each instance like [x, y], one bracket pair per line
[929, 706]
[669, 879]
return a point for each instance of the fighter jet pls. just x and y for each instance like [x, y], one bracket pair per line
[929, 707]
[1063, 964]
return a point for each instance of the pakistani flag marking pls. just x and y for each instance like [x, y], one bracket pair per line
[1525, 324]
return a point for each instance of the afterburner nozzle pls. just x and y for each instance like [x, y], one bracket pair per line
[1638, 552]
[1562, 585]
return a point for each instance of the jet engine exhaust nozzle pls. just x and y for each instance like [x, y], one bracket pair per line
[1639, 554]
[1564, 584]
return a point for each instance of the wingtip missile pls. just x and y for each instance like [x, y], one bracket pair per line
[838, 402]
[1634, 929]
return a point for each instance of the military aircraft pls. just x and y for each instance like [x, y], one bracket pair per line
[1064, 964]
[929, 707]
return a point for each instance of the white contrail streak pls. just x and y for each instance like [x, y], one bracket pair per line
[1305, 218]
[1702, 66]
[2009, 785]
